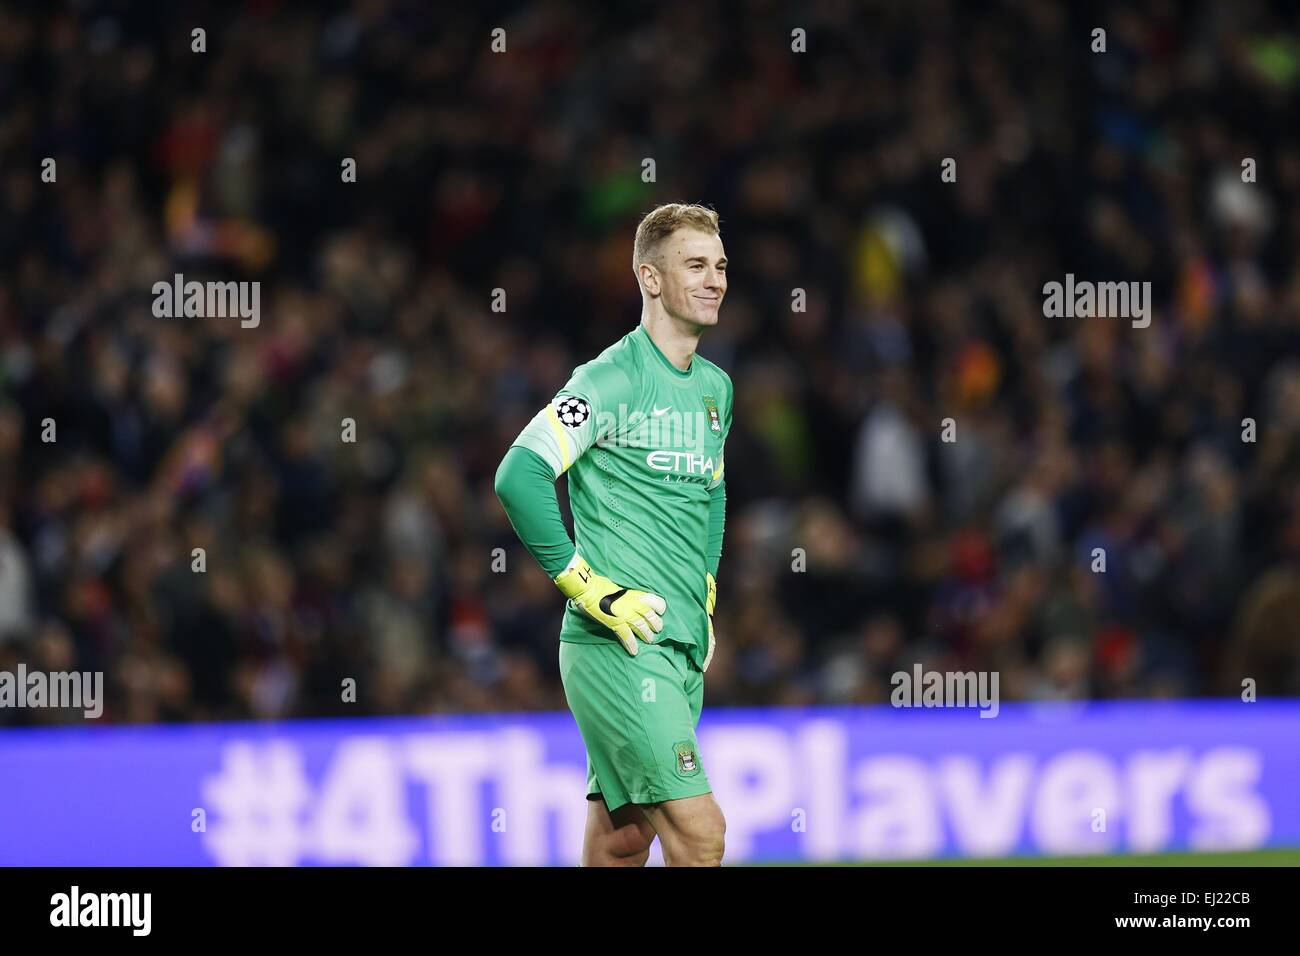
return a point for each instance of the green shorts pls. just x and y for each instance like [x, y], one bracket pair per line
[637, 716]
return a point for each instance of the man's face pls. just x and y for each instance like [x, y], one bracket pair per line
[691, 276]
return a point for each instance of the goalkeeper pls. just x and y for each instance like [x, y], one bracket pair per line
[639, 430]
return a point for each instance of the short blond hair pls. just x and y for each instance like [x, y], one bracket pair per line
[661, 222]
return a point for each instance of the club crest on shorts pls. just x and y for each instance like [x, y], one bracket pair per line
[711, 406]
[687, 764]
[572, 411]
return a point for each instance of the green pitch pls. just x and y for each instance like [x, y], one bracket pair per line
[1288, 857]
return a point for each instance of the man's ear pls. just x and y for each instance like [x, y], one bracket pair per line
[649, 278]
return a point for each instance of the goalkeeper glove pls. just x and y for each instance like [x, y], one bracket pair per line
[625, 611]
[710, 599]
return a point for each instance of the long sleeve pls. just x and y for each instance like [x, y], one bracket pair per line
[525, 485]
[718, 493]
[717, 522]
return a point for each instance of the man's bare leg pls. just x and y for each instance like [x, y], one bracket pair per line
[690, 830]
[622, 838]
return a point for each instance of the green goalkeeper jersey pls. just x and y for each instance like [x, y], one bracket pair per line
[642, 444]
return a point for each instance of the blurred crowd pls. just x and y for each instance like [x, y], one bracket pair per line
[923, 468]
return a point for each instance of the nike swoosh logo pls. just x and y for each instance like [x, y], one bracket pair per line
[607, 602]
[659, 411]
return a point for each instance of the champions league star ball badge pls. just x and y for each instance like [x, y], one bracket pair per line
[572, 411]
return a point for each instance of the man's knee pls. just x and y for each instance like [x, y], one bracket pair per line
[623, 840]
[704, 851]
[703, 843]
[620, 849]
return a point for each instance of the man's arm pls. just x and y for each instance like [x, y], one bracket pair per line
[717, 524]
[556, 437]
[526, 488]
[525, 484]
[718, 490]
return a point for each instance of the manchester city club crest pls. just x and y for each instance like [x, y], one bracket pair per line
[711, 406]
[687, 764]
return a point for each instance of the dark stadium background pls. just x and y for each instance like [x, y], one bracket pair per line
[522, 171]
